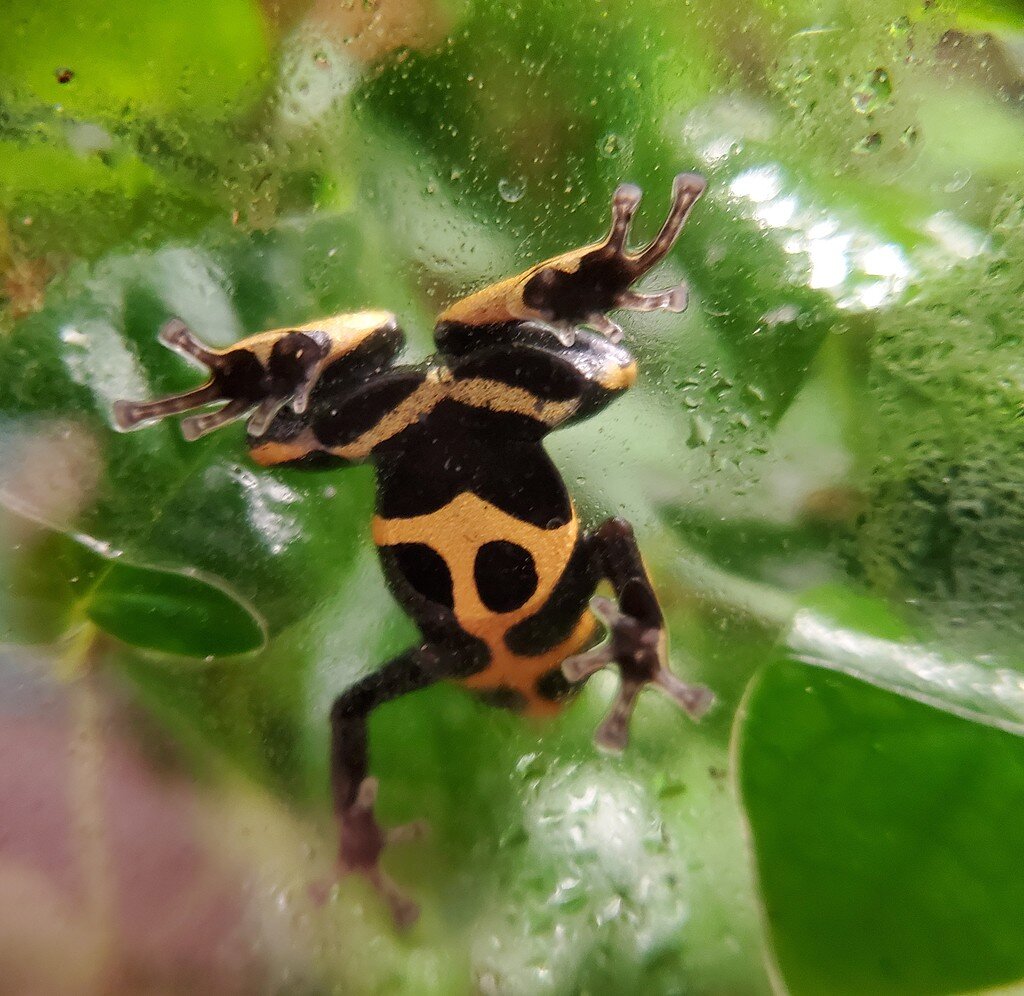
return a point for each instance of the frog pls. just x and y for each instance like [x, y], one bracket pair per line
[477, 534]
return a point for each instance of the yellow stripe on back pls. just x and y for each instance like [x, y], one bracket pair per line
[345, 331]
[476, 392]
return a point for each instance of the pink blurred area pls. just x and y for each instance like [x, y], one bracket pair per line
[111, 879]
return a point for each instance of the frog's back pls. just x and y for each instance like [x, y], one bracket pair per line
[475, 527]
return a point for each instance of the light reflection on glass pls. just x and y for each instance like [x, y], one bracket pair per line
[860, 271]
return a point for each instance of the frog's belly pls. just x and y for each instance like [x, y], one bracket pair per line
[503, 570]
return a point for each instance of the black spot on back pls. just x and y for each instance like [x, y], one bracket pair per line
[456, 448]
[555, 619]
[505, 575]
[425, 570]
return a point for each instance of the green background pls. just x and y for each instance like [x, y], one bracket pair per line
[822, 460]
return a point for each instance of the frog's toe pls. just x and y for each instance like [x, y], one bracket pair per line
[639, 650]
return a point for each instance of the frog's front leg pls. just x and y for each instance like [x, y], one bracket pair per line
[260, 375]
[581, 286]
[251, 377]
[578, 287]
[637, 641]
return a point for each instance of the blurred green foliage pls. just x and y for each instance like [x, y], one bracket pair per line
[822, 460]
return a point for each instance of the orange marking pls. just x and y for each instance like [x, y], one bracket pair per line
[345, 331]
[615, 378]
[503, 301]
[269, 453]
[521, 673]
[456, 532]
[476, 392]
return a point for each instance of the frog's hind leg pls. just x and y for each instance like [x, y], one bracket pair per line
[362, 838]
[637, 642]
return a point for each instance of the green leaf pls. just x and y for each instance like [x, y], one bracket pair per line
[887, 838]
[751, 547]
[40, 585]
[55, 580]
[276, 537]
[572, 872]
[989, 14]
[172, 613]
[127, 57]
[112, 196]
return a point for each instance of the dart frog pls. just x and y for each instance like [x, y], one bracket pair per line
[477, 535]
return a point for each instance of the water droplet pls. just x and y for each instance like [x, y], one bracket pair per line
[868, 144]
[512, 190]
[910, 136]
[875, 91]
[610, 146]
[782, 315]
[958, 181]
[531, 767]
[700, 432]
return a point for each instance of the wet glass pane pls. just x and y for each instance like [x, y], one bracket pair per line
[822, 460]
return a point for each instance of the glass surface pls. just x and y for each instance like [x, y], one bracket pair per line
[823, 461]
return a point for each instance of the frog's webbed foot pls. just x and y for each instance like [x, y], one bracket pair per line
[640, 652]
[686, 190]
[580, 287]
[363, 840]
[254, 378]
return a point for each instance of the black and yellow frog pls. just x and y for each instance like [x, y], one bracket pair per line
[476, 531]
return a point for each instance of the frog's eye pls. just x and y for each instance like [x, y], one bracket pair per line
[542, 283]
